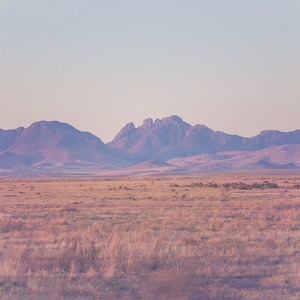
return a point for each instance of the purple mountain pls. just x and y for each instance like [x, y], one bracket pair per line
[7, 137]
[147, 141]
[172, 137]
[55, 144]
[169, 145]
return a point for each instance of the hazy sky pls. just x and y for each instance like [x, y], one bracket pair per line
[97, 65]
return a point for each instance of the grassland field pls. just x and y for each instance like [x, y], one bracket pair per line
[210, 236]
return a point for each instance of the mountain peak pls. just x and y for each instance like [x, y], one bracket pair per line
[148, 123]
[54, 143]
[173, 118]
[54, 126]
[127, 129]
[145, 141]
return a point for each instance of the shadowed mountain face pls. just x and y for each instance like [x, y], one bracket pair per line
[8, 137]
[57, 144]
[166, 145]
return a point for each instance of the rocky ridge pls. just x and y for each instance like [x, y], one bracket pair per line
[164, 145]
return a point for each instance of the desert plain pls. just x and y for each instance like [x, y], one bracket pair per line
[209, 236]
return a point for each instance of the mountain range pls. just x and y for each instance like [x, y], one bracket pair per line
[167, 145]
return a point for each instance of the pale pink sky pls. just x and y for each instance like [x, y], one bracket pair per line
[231, 65]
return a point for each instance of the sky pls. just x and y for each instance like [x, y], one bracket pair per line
[232, 65]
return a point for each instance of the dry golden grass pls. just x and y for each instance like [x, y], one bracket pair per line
[224, 236]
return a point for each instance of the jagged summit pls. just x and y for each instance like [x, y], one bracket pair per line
[171, 137]
[141, 143]
[148, 123]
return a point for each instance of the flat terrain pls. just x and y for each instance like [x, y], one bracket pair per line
[217, 236]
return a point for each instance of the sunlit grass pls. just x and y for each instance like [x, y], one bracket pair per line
[198, 237]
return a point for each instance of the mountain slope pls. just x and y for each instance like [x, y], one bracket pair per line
[269, 138]
[276, 157]
[166, 145]
[145, 142]
[8, 137]
[58, 144]
[172, 137]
